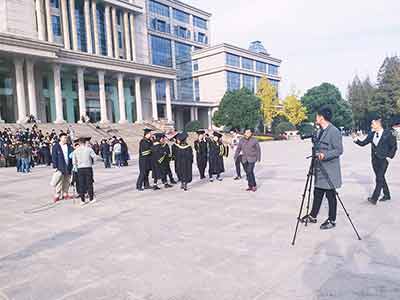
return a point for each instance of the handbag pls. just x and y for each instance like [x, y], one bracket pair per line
[56, 178]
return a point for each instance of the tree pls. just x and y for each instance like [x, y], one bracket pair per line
[328, 94]
[294, 111]
[269, 100]
[359, 96]
[193, 126]
[238, 109]
[386, 100]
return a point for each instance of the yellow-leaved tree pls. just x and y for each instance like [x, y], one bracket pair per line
[294, 110]
[269, 101]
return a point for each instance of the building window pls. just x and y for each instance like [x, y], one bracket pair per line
[181, 16]
[160, 25]
[158, 8]
[119, 17]
[45, 83]
[161, 52]
[201, 38]
[272, 70]
[233, 81]
[248, 82]
[195, 65]
[55, 3]
[232, 60]
[199, 22]
[56, 24]
[120, 40]
[261, 67]
[247, 63]
[102, 30]
[80, 28]
[182, 32]
[184, 71]
[161, 89]
[275, 83]
[197, 89]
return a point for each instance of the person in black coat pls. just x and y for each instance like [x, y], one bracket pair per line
[167, 161]
[383, 146]
[184, 160]
[145, 161]
[217, 151]
[201, 148]
[105, 152]
[159, 156]
[174, 149]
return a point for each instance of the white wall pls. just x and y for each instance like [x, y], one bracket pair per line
[212, 87]
[18, 17]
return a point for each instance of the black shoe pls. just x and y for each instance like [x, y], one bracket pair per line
[173, 181]
[182, 186]
[202, 177]
[384, 198]
[147, 187]
[328, 224]
[237, 178]
[185, 187]
[219, 178]
[308, 219]
[140, 189]
[211, 179]
[372, 200]
[167, 186]
[156, 188]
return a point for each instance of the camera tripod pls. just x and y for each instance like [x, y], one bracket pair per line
[307, 193]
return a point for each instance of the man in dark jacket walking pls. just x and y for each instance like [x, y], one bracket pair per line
[383, 147]
[250, 151]
[62, 162]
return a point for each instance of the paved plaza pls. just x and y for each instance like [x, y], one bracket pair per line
[214, 242]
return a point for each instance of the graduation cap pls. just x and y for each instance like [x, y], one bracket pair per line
[217, 134]
[201, 131]
[147, 130]
[374, 116]
[182, 136]
[159, 136]
[395, 121]
[173, 136]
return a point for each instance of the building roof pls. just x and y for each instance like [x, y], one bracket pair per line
[224, 47]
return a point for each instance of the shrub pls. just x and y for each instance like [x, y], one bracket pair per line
[283, 127]
[306, 129]
[193, 126]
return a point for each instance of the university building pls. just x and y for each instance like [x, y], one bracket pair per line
[117, 61]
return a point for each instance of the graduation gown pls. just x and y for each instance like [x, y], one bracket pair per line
[183, 162]
[217, 151]
[145, 161]
[159, 155]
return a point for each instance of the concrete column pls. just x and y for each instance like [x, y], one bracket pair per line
[49, 26]
[81, 92]
[121, 98]
[88, 27]
[95, 28]
[30, 75]
[64, 20]
[192, 114]
[108, 30]
[19, 80]
[39, 19]
[127, 36]
[132, 25]
[74, 33]
[154, 100]
[138, 99]
[58, 93]
[168, 103]
[210, 112]
[103, 101]
[115, 31]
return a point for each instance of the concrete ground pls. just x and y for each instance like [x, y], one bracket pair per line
[215, 241]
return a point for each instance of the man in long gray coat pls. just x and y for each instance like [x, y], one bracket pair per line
[328, 177]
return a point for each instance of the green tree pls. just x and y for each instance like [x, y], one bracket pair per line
[269, 100]
[359, 96]
[238, 109]
[328, 94]
[386, 100]
[294, 110]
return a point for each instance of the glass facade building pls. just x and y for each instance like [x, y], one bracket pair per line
[181, 16]
[159, 8]
[233, 81]
[161, 53]
[233, 60]
[199, 22]
[248, 82]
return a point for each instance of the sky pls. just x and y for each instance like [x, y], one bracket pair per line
[318, 40]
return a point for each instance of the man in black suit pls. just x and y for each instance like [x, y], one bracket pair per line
[383, 146]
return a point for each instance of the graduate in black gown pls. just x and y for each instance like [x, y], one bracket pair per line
[217, 152]
[145, 161]
[184, 160]
[201, 148]
[174, 147]
[159, 156]
[167, 161]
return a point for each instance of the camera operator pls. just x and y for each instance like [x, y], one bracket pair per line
[328, 149]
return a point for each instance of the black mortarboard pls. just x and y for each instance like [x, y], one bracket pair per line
[395, 121]
[182, 136]
[217, 134]
[201, 131]
[147, 130]
[159, 136]
[373, 116]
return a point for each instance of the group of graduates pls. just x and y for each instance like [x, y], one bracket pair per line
[156, 155]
